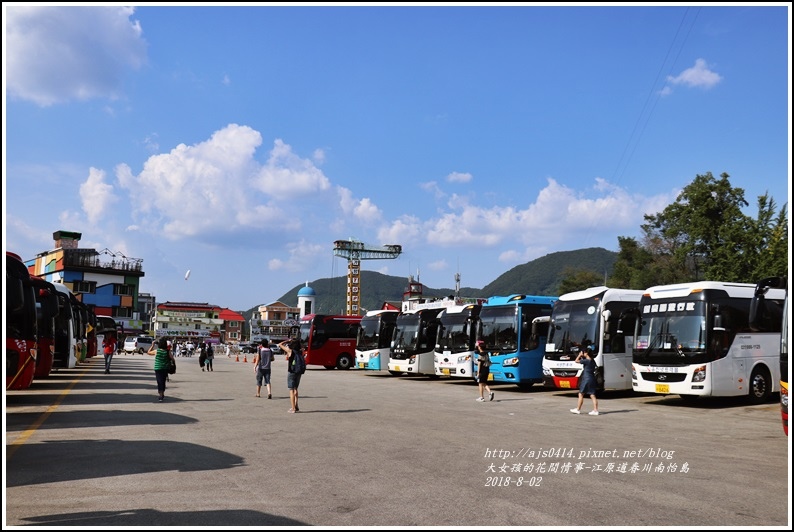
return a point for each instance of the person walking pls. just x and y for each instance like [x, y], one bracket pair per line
[483, 369]
[262, 360]
[587, 384]
[162, 359]
[296, 366]
[210, 356]
[108, 348]
[202, 355]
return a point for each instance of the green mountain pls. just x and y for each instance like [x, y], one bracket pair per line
[539, 277]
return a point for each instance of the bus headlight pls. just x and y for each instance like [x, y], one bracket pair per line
[512, 361]
[633, 373]
[784, 397]
[464, 358]
[412, 359]
[699, 375]
[547, 372]
[374, 354]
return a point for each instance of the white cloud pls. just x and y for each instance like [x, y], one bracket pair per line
[696, 76]
[458, 177]
[288, 176]
[64, 53]
[96, 196]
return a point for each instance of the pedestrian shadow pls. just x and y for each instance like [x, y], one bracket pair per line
[149, 517]
[346, 411]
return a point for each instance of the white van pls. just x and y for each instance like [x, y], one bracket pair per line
[138, 344]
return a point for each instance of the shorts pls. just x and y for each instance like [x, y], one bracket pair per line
[483, 376]
[260, 375]
[293, 381]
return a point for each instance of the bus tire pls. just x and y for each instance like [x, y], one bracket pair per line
[344, 361]
[760, 385]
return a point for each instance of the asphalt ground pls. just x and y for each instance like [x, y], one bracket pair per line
[87, 449]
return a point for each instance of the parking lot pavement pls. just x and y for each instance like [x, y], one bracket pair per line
[372, 450]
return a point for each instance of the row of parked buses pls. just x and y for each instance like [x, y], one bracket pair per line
[694, 339]
[47, 327]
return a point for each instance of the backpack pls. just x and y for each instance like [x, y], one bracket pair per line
[265, 357]
[298, 362]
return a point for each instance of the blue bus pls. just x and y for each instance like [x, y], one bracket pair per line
[514, 329]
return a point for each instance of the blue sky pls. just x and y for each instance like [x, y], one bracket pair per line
[240, 142]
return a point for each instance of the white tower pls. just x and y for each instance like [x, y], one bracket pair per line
[306, 298]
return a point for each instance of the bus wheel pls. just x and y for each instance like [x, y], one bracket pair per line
[344, 361]
[760, 386]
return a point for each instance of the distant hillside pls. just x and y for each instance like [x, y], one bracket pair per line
[540, 277]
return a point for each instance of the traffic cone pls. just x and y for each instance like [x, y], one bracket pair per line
[238, 358]
[245, 357]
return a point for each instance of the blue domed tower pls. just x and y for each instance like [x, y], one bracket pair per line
[306, 298]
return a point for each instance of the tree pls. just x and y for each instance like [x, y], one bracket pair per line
[704, 235]
[574, 279]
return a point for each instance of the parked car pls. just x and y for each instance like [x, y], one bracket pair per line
[138, 344]
[276, 349]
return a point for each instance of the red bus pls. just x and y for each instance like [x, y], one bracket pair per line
[46, 313]
[329, 340]
[21, 324]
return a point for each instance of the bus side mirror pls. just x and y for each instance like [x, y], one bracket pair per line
[718, 323]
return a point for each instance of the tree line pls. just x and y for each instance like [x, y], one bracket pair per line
[703, 235]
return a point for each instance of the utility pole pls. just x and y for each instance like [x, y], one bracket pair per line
[355, 251]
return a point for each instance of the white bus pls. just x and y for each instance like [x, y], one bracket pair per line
[694, 339]
[602, 317]
[454, 351]
[374, 339]
[414, 340]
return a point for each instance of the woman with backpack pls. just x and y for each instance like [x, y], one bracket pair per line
[483, 369]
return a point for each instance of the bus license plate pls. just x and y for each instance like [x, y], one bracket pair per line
[490, 376]
[445, 371]
[662, 388]
[360, 364]
[396, 368]
[565, 384]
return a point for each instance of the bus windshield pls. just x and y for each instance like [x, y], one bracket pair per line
[406, 334]
[573, 323]
[499, 329]
[675, 336]
[369, 334]
[454, 334]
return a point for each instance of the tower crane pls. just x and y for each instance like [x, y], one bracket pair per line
[355, 251]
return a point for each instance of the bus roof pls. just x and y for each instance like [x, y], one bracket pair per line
[742, 290]
[606, 293]
[515, 299]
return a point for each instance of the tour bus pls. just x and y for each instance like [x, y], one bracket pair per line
[599, 316]
[514, 329]
[66, 329]
[46, 312]
[21, 325]
[758, 308]
[374, 339]
[457, 332]
[413, 343]
[329, 340]
[695, 339]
